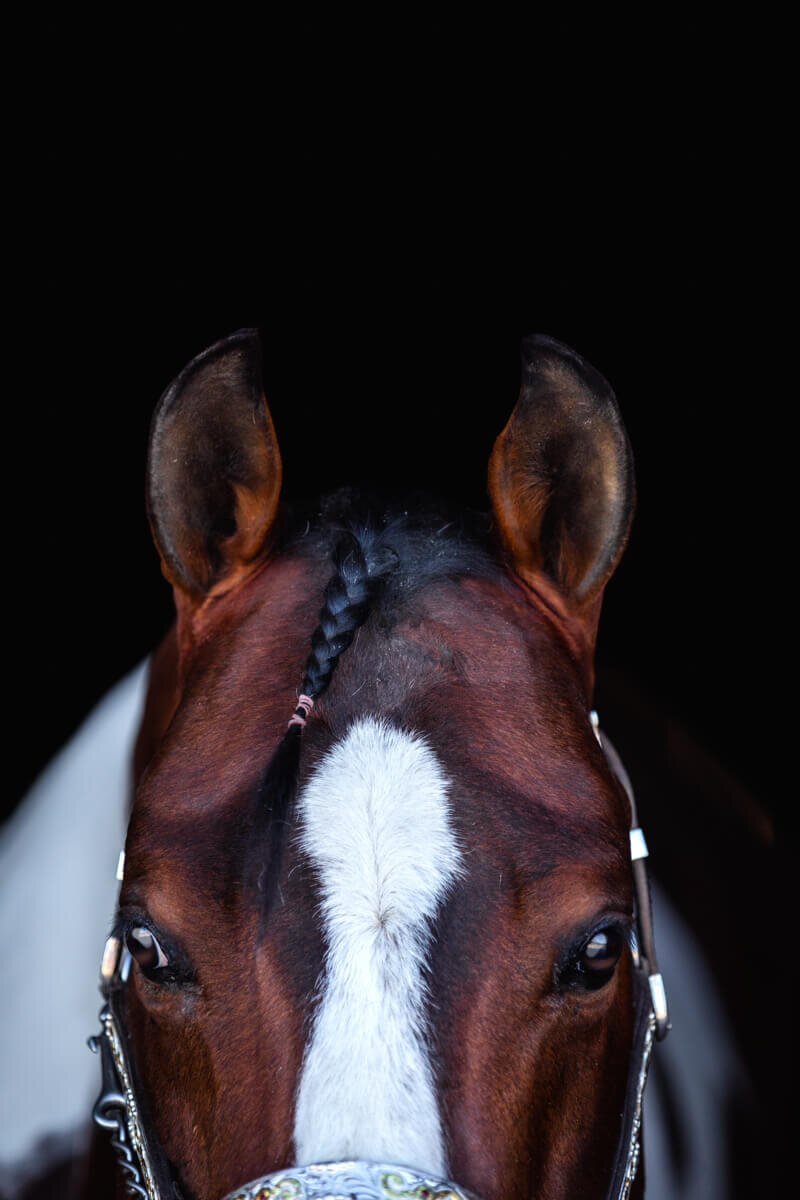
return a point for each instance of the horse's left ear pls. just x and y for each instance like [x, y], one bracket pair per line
[561, 483]
[214, 470]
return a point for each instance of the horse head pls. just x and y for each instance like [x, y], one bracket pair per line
[377, 903]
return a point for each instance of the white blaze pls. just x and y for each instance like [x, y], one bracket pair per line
[375, 822]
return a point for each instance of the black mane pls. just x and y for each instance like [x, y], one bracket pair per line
[410, 540]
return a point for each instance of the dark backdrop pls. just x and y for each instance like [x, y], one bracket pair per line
[394, 208]
[391, 281]
[394, 205]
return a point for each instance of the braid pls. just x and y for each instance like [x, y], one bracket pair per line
[345, 607]
[360, 562]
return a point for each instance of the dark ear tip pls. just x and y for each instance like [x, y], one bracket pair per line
[248, 339]
[539, 350]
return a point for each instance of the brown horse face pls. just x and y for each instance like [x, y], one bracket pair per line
[418, 954]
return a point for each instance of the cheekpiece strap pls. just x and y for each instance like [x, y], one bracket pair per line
[117, 1113]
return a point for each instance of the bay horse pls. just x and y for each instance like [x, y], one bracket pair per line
[378, 930]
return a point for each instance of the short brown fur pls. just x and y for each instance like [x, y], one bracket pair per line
[494, 670]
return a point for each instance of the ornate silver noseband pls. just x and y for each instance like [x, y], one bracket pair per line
[350, 1181]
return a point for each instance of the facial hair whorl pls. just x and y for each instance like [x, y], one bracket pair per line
[361, 564]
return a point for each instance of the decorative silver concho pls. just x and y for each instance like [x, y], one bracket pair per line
[350, 1181]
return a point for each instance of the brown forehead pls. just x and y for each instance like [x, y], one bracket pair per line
[468, 663]
[240, 688]
[504, 703]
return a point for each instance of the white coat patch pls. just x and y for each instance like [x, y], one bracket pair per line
[375, 822]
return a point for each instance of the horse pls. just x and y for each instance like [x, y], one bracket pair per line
[383, 925]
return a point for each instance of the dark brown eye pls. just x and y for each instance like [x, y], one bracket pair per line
[591, 965]
[602, 951]
[144, 948]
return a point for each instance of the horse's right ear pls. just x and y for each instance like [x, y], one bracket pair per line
[214, 470]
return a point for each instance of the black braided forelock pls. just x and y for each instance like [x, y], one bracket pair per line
[346, 604]
[364, 560]
[360, 563]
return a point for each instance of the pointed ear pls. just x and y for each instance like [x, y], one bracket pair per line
[214, 469]
[561, 480]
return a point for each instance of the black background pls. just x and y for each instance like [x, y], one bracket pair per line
[394, 204]
[393, 221]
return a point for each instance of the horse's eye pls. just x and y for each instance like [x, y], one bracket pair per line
[593, 964]
[145, 949]
[602, 951]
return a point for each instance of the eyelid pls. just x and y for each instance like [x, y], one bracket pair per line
[132, 918]
[607, 920]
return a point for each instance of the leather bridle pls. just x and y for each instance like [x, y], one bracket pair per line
[147, 1174]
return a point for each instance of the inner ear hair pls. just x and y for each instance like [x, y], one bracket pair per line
[214, 469]
[561, 475]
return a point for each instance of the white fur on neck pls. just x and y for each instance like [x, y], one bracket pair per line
[376, 824]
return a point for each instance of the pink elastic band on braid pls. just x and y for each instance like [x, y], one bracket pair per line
[299, 718]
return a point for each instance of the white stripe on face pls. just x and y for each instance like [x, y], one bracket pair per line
[375, 822]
